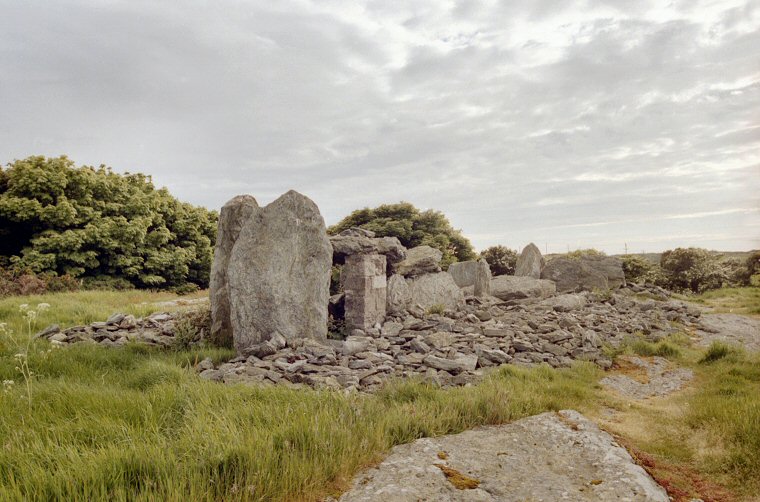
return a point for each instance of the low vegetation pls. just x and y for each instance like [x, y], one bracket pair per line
[731, 300]
[135, 423]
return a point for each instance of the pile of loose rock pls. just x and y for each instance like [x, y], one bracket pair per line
[455, 348]
[157, 329]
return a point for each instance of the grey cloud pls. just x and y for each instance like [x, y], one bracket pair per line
[549, 122]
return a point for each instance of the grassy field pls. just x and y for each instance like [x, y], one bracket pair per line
[138, 424]
[730, 300]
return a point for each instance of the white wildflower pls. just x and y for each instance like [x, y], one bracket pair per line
[42, 307]
[23, 307]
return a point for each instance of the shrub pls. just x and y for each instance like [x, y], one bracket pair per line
[14, 282]
[438, 308]
[412, 227]
[501, 259]
[91, 222]
[185, 289]
[581, 253]
[105, 282]
[191, 327]
[692, 269]
[717, 351]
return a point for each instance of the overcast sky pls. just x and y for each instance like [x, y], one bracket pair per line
[570, 124]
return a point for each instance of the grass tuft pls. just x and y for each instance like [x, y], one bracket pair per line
[719, 350]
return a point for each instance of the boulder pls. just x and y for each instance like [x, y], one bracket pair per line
[582, 274]
[418, 261]
[233, 216]
[464, 272]
[360, 241]
[530, 262]
[565, 303]
[610, 266]
[399, 296]
[364, 282]
[553, 456]
[435, 289]
[509, 287]
[472, 273]
[279, 273]
[482, 286]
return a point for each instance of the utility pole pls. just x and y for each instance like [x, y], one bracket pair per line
[626, 248]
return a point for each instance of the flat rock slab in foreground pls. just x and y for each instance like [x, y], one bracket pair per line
[547, 457]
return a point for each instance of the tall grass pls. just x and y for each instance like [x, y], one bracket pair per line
[735, 300]
[151, 430]
[135, 423]
[727, 409]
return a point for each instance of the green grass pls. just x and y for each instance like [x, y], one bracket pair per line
[730, 300]
[726, 410]
[135, 423]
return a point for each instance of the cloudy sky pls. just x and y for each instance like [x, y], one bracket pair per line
[570, 124]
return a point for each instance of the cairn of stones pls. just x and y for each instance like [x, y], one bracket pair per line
[403, 315]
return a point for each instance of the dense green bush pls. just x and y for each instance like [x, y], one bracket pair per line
[642, 271]
[92, 223]
[501, 260]
[412, 227]
[582, 253]
[692, 269]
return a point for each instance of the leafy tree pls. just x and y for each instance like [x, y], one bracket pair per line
[692, 269]
[93, 223]
[642, 271]
[412, 227]
[753, 268]
[501, 259]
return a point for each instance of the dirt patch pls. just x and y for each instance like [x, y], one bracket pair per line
[642, 378]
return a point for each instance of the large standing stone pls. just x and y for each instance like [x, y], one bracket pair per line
[364, 282]
[399, 296]
[530, 262]
[279, 273]
[436, 289]
[509, 287]
[233, 216]
[419, 260]
[482, 284]
[573, 275]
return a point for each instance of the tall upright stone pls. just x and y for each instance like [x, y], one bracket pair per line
[279, 273]
[475, 274]
[233, 216]
[399, 295]
[530, 263]
[482, 284]
[364, 282]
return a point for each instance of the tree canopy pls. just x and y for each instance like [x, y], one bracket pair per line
[501, 259]
[90, 222]
[412, 227]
